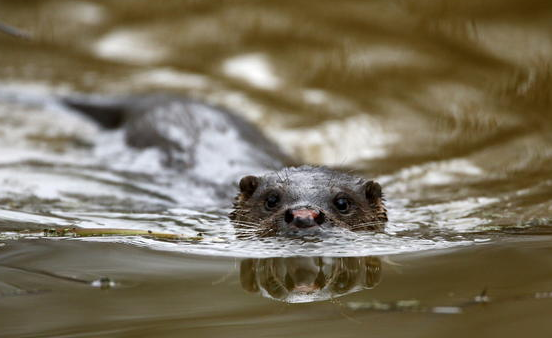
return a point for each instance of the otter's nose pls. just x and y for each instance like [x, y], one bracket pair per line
[304, 218]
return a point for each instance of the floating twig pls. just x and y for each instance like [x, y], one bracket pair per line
[100, 232]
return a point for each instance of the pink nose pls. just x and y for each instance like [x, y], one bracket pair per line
[304, 217]
[305, 213]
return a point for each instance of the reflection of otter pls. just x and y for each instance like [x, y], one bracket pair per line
[309, 279]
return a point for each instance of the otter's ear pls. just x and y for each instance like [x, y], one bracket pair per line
[249, 184]
[373, 191]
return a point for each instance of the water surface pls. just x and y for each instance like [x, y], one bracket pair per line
[446, 104]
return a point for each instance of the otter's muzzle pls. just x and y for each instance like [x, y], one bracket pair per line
[304, 217]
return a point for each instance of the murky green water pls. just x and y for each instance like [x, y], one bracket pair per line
[447, 104]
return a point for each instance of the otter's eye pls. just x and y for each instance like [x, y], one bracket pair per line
[272, 201]
[342, 204]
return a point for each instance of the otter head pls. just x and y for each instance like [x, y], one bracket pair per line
[307, 200]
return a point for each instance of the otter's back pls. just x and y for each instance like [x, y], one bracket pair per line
[206, 141]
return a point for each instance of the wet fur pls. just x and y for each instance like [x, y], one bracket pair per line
[252, 220]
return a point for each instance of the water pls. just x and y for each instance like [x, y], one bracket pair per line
[446, 104]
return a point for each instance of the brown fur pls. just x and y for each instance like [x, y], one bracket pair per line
[367, 210]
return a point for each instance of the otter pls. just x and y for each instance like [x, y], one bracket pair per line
[306, 199]
[215, 146]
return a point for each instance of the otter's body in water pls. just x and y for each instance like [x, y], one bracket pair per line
[219, 147]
